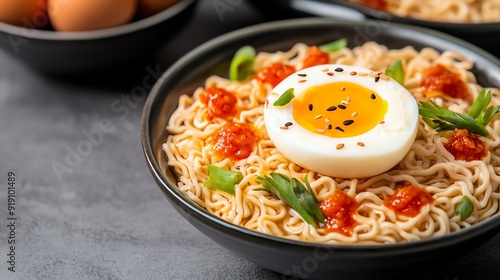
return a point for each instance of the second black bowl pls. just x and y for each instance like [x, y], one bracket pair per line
[485, 35]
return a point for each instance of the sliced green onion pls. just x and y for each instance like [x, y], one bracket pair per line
[489, 114]
[474, 121]
[242, 64]
[396, 72]
[479, 111]
[222, 179]
[307, 199]
[293, 193]
[464, 208]
[334, 46]
[479, 105]
[285, 98]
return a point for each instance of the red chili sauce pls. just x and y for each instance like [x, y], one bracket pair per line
[315, 56]
[464, 145]
[221, 103]
[338, 210]
[274, 73]
[408, 200]
[235, 141]
[376, 4]
[439, 79]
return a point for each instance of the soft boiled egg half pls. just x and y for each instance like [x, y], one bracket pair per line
[343, 121]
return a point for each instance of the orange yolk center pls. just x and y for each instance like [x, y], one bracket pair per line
[339, 109]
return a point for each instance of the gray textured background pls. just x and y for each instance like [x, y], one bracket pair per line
[107, 219]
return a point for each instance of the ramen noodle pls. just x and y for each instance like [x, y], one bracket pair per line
[427, 165]
[458, 11]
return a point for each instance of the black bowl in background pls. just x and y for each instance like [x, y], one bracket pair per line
[73, 53]
[295, 258]
[484, 35]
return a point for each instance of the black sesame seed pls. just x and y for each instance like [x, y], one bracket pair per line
[338, 69]
[339, 129]
[288, 124]
[329, 126]
[310, 107]
[372, 96]
[348, 122]
[343, 107]
[302, 75]
[331, 108]
[377, 79]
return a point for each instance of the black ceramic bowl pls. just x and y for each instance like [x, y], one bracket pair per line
[67, 53]
[484, 35]
[281, 255]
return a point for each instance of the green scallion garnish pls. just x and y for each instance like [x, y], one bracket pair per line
[241, 65]
[479, 111]
[295, 194]
[396, 72]
[464, 208]
[222, 179]
[474, 121]
[334, 46]
[285, 98]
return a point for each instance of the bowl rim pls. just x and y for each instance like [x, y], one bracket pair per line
[115, 31]
[169, 189]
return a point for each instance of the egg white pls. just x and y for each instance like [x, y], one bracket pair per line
[384, 145]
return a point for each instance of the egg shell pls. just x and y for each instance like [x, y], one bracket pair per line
[84, 15]
[150, 7]
[384, 145]
[28, 13]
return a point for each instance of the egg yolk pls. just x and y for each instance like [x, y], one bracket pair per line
[339, 109]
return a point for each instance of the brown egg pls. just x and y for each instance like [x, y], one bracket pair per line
[28, 13]
[83, 15]
[150, 7]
